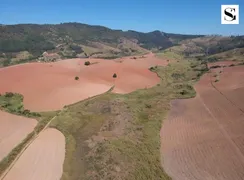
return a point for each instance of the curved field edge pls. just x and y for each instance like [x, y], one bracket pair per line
[14, 101]
[43, 120]
[116, 136]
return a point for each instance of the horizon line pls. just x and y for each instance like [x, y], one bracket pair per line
[214, 34]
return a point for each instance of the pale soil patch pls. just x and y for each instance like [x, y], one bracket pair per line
[231, 78]
[50, 86]
[231, 84]
[13, 129]
[43, 159]
[203, 137]
[47, 87]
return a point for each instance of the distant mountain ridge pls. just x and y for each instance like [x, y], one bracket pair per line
[26, 42]
[36, 37]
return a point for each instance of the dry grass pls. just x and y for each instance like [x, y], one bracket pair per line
[21, 56]
[116, 136]
[231, 55]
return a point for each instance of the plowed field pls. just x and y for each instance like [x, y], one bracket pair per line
[203, 137]
[13, 129]
[43, 159]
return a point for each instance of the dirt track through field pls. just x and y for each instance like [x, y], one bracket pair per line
[43, 159]
[13, 129]
[203, 137]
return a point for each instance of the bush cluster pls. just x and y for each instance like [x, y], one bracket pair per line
[87, 63]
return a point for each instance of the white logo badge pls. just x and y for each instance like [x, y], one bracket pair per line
[229, 14]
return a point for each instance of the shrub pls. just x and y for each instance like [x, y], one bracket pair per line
[114, 75]
[213, 67]
[212, 59]
[193, 65]
[177, 75]
[26, 112]
[87, 63]
[231, 65]
[76, 78]
[36, 114]
[148, 106]
[9, 94]
[204, 62]
[189, 87]
[183, 92]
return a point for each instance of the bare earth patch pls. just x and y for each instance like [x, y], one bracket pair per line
[203, 137]
[13, 129]
[43, 159]
[50, 86]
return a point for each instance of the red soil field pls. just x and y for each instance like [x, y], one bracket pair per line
[13, 129]
[50, 86]
[42, 160]
[203, 137]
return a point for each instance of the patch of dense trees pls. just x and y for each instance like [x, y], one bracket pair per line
[77, 49]
[31, 43]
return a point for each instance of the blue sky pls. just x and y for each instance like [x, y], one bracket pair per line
[176, 16]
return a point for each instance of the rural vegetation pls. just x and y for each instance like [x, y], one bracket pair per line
[118, 135]
[114, 75]
[87, 63]
[13, 103]
[70, 40]
[112, 136]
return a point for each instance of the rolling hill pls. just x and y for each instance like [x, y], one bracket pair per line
[69, 40]
[30, 42]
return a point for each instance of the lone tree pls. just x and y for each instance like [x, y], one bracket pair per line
[115, 75]
[76, 78]
[87, 63]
